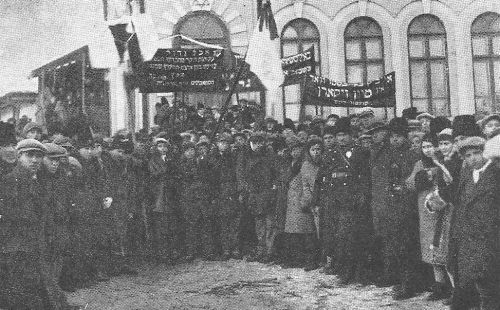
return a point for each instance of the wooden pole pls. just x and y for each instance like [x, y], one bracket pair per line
[225, 106]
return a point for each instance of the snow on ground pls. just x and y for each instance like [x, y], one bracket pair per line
[237, 285]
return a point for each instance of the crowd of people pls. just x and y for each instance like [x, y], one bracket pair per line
[411, 203]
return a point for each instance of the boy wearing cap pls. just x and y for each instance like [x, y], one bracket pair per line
[165, 181]
[228, 209]
[257, 173]
[474, 250]
[26, 283]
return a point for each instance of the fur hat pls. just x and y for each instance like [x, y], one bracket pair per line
[399, 125]
[439, 123]
[329, 130]
[465, 125]
[410, 113]
[343, 125]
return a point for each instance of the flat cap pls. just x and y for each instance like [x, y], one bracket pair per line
[492, 148]
[30, 145]
[63, 141]
[425, 115]
[364, 137]
[366, 112]
[470, 142]
[488, 118]
[55, 151]
[30, 126]
[160, 140]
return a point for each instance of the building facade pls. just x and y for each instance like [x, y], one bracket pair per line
[445, 53]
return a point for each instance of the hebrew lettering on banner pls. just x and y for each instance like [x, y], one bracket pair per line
[193, 70]
[378, 94]
[298, 66]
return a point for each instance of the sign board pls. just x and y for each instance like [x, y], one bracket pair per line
[298, 66]
[193, 70]
[378, 94]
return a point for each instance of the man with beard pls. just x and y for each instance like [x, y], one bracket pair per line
[344, 186]
[256, 174]
[26, 282]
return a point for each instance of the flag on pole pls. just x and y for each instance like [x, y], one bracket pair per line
[263, 48]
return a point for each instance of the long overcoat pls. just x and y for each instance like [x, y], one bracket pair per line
[474, 250]
[299, 218]
[256, 173]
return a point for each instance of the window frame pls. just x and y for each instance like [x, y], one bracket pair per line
[490, 59]
[427, 59]
[300, 41]
[364, 60]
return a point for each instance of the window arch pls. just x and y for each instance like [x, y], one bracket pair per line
[364, 51]
[203, 26]
[428, 57]
[297, 36]
[485, 32]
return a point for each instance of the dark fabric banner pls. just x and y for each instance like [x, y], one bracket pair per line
[378, 94]
[193, 70]
[298, 66]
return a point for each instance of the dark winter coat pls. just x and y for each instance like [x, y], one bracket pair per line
[474, 251]
[165, 183]
[23, 212]
[60, 205]
[256, 173]
[391, 202]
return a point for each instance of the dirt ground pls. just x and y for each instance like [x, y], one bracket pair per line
[237, 285]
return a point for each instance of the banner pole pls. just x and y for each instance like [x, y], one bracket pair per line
[228, 99]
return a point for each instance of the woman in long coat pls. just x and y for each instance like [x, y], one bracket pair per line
[299, 226]
[430, 175]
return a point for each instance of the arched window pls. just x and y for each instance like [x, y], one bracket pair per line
[486, 58]
[201, 26]
[297, 36]
[364, 50]
[206, 27]
[428, 65]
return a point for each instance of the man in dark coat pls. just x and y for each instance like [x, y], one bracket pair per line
[474, 249]
[392, 209]
[256, 174]
[26, 281]
[344, 185]
[197, 201]
[228, 209]
[60, 203]
[165, 180]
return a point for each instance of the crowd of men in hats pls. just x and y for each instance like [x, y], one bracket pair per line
[412, 203]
